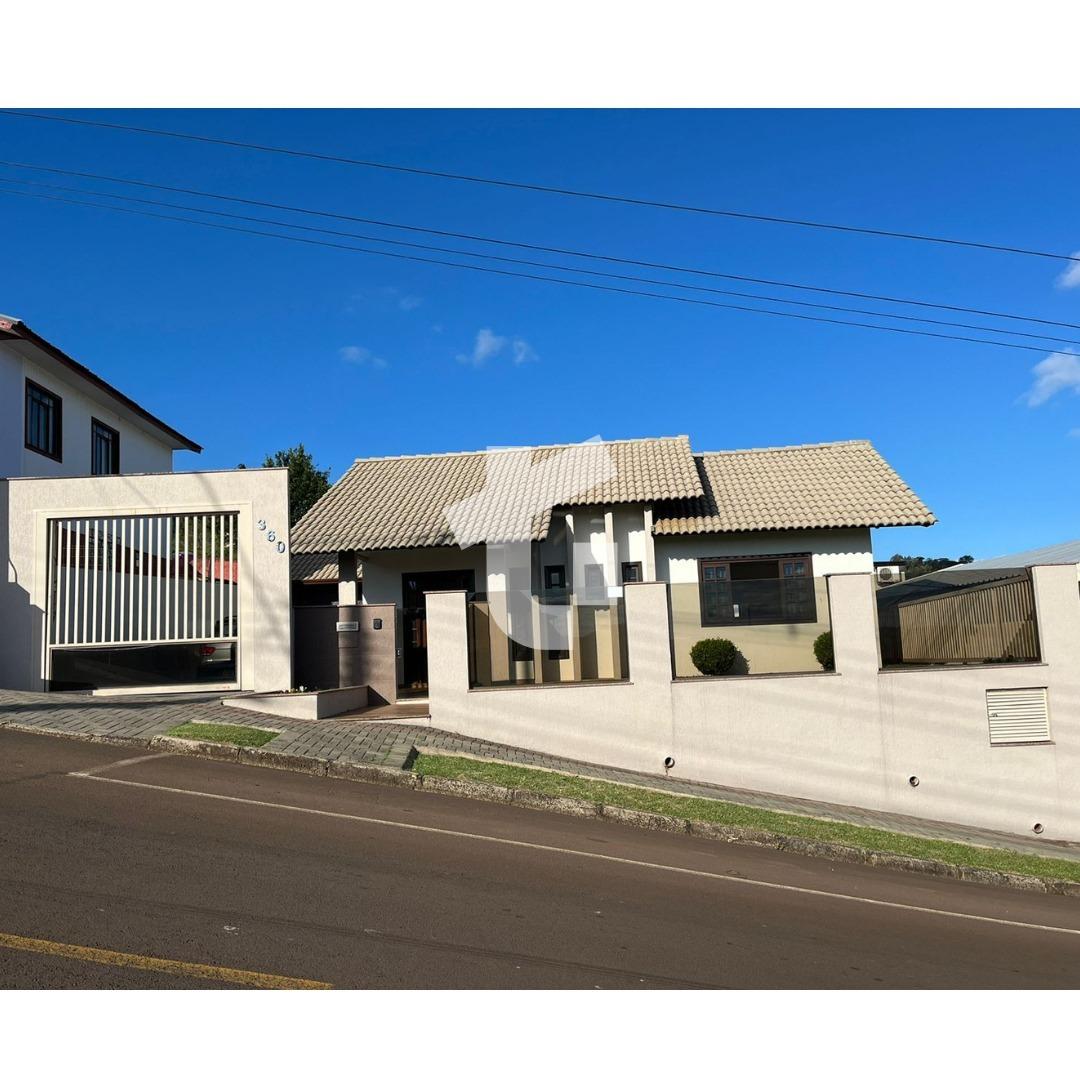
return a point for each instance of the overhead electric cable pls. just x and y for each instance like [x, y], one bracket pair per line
[543, 265]
[802, 287]
[532, 277]
[544, 188]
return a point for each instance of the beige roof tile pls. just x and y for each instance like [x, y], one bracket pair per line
[489, 496]
[825, 486]
[314, 566]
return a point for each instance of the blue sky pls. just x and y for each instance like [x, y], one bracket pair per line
[249, 345]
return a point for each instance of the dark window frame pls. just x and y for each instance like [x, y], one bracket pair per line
[548, 572]
[640, 572]
[95, 426]
[727, 561]
[58, 420]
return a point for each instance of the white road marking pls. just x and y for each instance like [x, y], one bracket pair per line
[483, 838]
[120, 764]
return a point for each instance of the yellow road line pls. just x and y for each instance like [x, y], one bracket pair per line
[254, 980]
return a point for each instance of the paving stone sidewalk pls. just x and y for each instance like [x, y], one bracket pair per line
[389, 744]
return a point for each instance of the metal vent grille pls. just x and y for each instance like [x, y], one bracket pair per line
[1018, 716]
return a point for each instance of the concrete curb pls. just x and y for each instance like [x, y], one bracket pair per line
[271, 759]
[195, 748]
[140, 742]
[743, 835]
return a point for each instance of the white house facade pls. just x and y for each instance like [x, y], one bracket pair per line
[122, 575]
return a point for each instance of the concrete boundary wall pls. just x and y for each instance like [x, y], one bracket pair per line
[854, 736]
[256, 495]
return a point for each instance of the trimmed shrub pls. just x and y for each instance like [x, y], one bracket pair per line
[714, 656]
[823, 651]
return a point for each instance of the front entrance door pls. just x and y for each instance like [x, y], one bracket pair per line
[414, 613]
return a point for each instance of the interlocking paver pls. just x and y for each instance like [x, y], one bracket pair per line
[375, 742]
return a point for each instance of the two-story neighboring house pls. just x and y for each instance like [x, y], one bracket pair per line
[57, 418]
[117, 572]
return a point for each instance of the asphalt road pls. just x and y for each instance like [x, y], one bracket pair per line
[179, 872]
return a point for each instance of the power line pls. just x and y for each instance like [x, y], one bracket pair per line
[542, 265]
[534, 247]
[544, 188]
[533, 277]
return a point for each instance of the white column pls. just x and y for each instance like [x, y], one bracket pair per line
[574, 628]
[649, 569]
[347, 578]
[611, 580]
[853, 611]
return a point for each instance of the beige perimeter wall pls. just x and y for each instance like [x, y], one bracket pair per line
[854, 736]
[265, 645]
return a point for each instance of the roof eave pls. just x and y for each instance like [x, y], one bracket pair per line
[21, 331]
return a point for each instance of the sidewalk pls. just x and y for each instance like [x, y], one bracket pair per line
[373, 742]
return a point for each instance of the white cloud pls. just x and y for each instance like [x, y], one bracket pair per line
[1059, 371]
[521, 351]
[1069, 278]
[357, 354]
[1074, 433]
[489, 345]
[383, 297]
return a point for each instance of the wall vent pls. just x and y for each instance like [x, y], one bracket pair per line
[1018, 716]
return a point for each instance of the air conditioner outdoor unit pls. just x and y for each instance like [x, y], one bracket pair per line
[888, 575]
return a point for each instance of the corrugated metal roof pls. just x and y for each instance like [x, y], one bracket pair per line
[489, 496]
[822, 486]
[1066, 552]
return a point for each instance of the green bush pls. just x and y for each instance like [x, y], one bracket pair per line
[823, 651]
[714, 656]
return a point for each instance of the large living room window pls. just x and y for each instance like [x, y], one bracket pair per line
[43, 421]
[754, 591]
[104, 449]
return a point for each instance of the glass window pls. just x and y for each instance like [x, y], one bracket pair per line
[554, 577]
[43, 421]
[631, 571]
[757, 591]
[104, 449]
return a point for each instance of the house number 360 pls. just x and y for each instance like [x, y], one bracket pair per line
[271, 536]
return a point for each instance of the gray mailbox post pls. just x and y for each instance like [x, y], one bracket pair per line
[349, 654]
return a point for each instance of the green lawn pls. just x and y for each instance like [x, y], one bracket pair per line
[724, 813]
[232, 734]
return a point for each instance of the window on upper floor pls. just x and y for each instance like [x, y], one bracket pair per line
[44, 421]
[753, 591]
[631, 571]
[104, 449]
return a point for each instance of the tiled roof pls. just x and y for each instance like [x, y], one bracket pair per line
[825, 486]
[314, 566]
[489, 496]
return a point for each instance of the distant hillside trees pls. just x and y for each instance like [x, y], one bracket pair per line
[917, 565]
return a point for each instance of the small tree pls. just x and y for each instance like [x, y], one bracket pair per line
[306, 482]
[823, 651]
[714, 656]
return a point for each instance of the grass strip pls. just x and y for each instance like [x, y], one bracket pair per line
[231, 734]
[725, 813]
